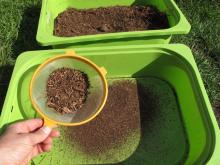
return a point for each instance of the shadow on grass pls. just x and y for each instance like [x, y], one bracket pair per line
[5, 76]
[215, 54]
[26, 40]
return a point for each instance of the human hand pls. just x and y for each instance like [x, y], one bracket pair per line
[24, 140]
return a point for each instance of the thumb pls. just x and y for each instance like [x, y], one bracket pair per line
[40, 135]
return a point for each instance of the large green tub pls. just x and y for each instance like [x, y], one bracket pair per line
[192, 137]
[50, 10]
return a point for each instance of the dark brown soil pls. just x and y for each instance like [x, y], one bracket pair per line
[119, 118]
[67, 90]
[74, 22]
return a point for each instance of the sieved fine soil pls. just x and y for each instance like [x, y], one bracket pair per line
[152, 129]
[67, 90]
[118, 119]
[75, 22]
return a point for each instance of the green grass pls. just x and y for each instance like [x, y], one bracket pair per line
[19, 19]
[18, 26]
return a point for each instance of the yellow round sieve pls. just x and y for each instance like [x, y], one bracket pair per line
[95, 100]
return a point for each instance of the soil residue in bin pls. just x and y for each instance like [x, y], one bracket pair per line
[118, 119]
[67, 90]
[74, 22]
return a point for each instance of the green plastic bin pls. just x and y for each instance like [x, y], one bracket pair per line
[191, 138]
[50, 9]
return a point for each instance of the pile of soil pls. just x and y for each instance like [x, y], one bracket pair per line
[119, 118]
[67, 90]
[74, 22]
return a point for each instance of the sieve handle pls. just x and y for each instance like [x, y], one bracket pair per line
[49, 123]
[103, 70]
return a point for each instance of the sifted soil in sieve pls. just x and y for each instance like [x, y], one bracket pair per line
[75, 22]
[109, 129]
[67, 90]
